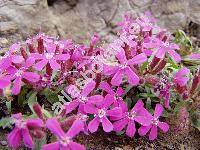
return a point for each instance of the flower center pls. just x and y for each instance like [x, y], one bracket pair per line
[101, 113]
[64, 141]
[49, 55]
[155, 121]
[19, 73]
[123, 66]
[82, 117]
[20, 124]
[131, 115]
[83, 99]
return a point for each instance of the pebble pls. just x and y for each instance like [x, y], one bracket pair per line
[3, 143]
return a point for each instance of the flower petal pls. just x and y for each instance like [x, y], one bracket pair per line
[54, 126]
[144, 121]
[30, 76]
[17, 59]
[117, 79]
[75, 129]
[51, 146]
[4, 82]
[14, 138]
[62, 57]
[132, 77]
[130, 131]
[138, 106]
[27, 139]
[71, 106]
[158, 110]
[163, 126]
[174, 55]
[40, 65]
[115, 112]
[89, 108]
[93, 125]
[95, 99]
[89, 87]
[119, 125]
[106, 87]
[76, 146]
[107, 125]
[54, 65]
[108, 100]
[143, 130]
[17, 86]
[153, 133]
[138, 59]
[160, 53]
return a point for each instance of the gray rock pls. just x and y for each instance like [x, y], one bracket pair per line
[77, 18]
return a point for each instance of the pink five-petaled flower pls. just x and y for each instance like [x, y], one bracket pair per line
[155, 123]
[129, 118]
[124, 68]
[117, 95]
[9, 57]
[180, 77]
[17, 74]
[50, 57]
[166, 47]
[64, 140]
[21, 131]
[101, 113]
[82, 97]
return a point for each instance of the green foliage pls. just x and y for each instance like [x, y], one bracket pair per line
[6, 122]
[50, 95]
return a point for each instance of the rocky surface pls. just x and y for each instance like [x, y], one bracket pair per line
[77, 19]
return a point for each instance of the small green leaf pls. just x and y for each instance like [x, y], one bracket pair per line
[9, 106]
[39, 143]
[47, 113]
[50, 95]
[6, 122]
[22, 96]
[31, 100]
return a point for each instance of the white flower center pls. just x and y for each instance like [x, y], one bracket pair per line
[64, 141]
[131, 115]
[101, 113]
[19, 73]
[155, 121]
[49, 55]
[83, 99]
[20, 124]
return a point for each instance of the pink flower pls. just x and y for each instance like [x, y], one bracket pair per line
[180, 77]
[9, 57]
[101, 113]
[64, 140]
[195, 56]
[118, 101]
[129, 118]
[155, 123]
[82, 97]
[124, 68]
[50, 56]
[21, 131]
[166, 47]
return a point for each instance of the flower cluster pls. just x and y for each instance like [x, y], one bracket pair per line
[96, 78]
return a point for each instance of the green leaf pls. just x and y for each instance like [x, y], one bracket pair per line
[47, 113]
[9, 106]
[39, 143]
[31, 100]
[179, 105]
[51, 96]
[6, 122]
[22, 96]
